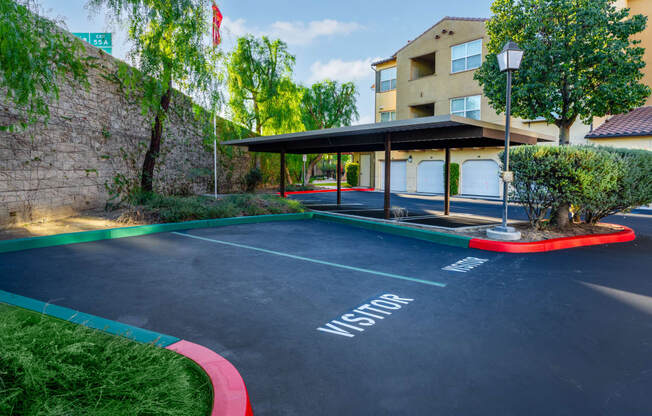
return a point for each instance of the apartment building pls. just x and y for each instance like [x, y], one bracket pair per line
[433, 75]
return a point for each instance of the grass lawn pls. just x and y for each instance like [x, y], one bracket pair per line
[52, 367]
[158, 208]
[344, 184]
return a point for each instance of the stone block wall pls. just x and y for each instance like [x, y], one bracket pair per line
[95, 136]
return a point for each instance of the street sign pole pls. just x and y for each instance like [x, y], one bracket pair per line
[303, 173]
[215, 152]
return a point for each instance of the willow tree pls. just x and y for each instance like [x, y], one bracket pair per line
[325, 105]
[580, 62]
[36, 57]
[169, 49]
[262, 94]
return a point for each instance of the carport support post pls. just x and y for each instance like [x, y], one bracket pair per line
[339, 178]
[282, 178]
[388, 170]
[447, 184]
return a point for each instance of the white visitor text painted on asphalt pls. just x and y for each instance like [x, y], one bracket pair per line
[465, 265]
[365, 316]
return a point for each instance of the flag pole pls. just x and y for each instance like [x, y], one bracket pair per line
[215, 151]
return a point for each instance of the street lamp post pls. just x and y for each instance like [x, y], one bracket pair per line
[509, 60]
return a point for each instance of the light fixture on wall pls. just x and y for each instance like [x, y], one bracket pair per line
[410, 159]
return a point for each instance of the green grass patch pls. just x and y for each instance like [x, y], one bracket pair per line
[53, 367]
[344, 184]
[158, 208]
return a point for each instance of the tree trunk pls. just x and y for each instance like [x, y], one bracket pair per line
[147, 175]
[311, 167]
[561, 216]
[564, 134]
[288, 176]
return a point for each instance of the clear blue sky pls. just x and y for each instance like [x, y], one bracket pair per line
[335, 38]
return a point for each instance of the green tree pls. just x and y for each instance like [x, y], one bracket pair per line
[169, 47]
[325, 105]
[35, 55]
[262, 95]
[580, 62]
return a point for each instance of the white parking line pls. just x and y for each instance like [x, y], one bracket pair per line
[326, 263]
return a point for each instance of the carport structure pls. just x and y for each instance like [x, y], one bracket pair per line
[436, 132]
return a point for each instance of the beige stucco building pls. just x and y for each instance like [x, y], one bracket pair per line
[433, 75]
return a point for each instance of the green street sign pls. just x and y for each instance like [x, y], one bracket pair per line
[99, 40]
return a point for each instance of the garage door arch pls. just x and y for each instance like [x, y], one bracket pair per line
[480, 177]
[430, 176]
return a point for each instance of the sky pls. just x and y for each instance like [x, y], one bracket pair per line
[335, 39]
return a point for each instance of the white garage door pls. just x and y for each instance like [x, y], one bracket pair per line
[430, 176]
[398, 181]
[365, 171]
[480, 177]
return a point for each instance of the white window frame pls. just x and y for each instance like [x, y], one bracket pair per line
[466, 56]
[392, 115]
[392, 81]
[466, 110]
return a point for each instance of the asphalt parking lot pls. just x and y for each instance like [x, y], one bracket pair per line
[322, 319]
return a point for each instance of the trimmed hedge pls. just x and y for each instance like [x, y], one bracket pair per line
[595, 181]
[352, 172]
[455, 178]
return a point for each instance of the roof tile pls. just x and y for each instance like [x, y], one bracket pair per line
[637, 122]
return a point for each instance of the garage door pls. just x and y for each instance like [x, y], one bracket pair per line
[430, 176]
[480, 177]
[398, 182]
[365, 171]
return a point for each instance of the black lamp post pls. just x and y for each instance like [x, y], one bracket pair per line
[509, 60]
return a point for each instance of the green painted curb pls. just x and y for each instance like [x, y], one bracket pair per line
[432, 236]
[106, 325]
[96, 235]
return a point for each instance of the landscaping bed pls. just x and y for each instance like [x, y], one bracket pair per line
[52, 367]
[530, 234]
[153, 209]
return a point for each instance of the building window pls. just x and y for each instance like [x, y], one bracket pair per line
[387, 116]
[466, 107]
[466, 56]
[387, 80]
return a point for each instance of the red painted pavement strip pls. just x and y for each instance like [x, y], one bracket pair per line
[317, 191]
[230, 397]
[627, 234]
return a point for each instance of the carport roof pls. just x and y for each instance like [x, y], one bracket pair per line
[436, 132]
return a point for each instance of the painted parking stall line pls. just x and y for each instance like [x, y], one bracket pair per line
[465, 265]
[365, 316]
[322, 262]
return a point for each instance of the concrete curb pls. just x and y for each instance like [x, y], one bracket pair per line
[320, 191]
[230, 397]
[627, 234]
[111, 233]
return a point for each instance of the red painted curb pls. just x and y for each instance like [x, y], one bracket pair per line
[627, 234]
[317, 191]
[230, 397]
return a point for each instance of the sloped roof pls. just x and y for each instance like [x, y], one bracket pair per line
[468, 19]
[637, 122]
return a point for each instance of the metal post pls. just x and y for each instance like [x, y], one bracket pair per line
[282, 182]
[339, 178]
[215, 153]
[447, 183]
[508, 112]
[388, 170]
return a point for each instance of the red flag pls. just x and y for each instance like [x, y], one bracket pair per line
[217, 22]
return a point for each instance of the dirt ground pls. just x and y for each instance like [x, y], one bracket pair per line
[528, 234]
[85, 221]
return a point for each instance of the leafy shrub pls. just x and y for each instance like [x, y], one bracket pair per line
[633, 186]
[352, 172]
[545, 177]
[455, 178]
[163, 208]
[252, 179]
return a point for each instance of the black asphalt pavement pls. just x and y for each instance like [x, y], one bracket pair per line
[559, 333]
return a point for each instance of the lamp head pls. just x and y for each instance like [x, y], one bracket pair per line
[509, 59]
